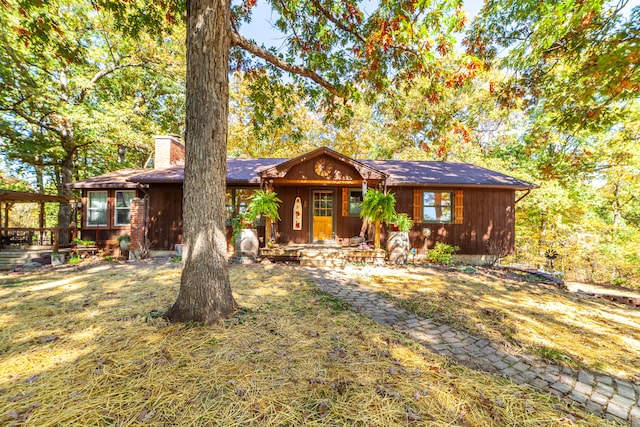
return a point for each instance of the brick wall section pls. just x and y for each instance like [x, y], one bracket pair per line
[169, 151]
[137, 224]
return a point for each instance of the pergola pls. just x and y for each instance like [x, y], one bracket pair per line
[9, 197]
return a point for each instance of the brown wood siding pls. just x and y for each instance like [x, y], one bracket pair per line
[345, 226]
[340, 171]
[488, 214]
[349, 225]
[165, 216]
[286, 233]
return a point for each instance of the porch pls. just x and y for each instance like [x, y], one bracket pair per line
[322, 255]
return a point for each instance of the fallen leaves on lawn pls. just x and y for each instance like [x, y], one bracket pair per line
[292, 356]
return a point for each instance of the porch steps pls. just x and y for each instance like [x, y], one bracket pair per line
[10, 259]
[323, 255]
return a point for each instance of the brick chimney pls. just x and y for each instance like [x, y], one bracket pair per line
[169, 151]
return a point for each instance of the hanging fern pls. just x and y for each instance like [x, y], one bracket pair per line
[378, 207]
[263, 203]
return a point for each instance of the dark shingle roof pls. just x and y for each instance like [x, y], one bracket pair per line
[167, 174]
[401, 172]
[115, 179]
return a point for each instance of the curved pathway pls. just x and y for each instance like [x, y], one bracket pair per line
[601, 394]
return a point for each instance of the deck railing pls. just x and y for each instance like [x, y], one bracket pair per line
[49, 236]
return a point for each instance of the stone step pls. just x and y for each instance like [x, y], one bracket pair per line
[10, 259]
[322, 262]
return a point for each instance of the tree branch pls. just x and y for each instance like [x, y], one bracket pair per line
[337, 22]
[30, 120]
[101, 74]
[242, 42]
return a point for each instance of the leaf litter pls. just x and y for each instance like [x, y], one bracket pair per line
[290, 357]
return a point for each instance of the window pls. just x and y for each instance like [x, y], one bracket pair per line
[236, 203]
[122, 214]
[355, 202]
[437, 206]
[96, 208]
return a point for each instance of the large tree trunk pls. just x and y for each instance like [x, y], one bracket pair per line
[205, 292]
[64, 211]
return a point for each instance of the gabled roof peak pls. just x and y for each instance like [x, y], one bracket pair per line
[281, 169]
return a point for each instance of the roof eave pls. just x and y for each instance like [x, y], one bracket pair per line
[103, 185]
[516, 187]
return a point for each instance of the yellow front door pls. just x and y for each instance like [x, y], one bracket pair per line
[322, 215]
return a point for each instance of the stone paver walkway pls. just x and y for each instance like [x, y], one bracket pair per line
[601, 394]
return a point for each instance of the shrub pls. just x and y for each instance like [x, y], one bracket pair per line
[75, 259]
[442, 253]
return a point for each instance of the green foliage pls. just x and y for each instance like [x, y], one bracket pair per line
[378, 206]
[442, 253]
[403, 222]
[124, 238]
[263, 203]
[74, 259]
[71, 91]
[575, 57]
[552, 355]
[79, 241]
[237, 224]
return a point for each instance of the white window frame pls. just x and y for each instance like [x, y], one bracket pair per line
[116, 208]
[105, 209]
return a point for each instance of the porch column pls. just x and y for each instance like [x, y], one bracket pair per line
[7, 207]
[137, 227]
[41, 224]
[268, 225]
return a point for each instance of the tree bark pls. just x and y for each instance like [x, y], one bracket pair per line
[205, 292]
[66, 175]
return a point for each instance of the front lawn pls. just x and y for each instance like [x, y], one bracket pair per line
[85, 345]
[558, 325]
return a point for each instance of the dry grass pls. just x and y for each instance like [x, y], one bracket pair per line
[558, 325]
[84, 346]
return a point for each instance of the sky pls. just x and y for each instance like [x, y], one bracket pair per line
[262, 31]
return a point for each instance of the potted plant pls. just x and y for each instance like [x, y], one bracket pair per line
[264, 203]
[84, 247]
[124, 240]
[378, 207]
[245, 237]
[398, 240]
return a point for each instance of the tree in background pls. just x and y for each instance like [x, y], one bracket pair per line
[71, 88]
[579, 57]
[573, 67]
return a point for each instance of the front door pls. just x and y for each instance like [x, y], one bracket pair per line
[322, 215]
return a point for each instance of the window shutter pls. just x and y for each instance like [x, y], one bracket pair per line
[417, 206]
[458, 207]
[345, 202]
